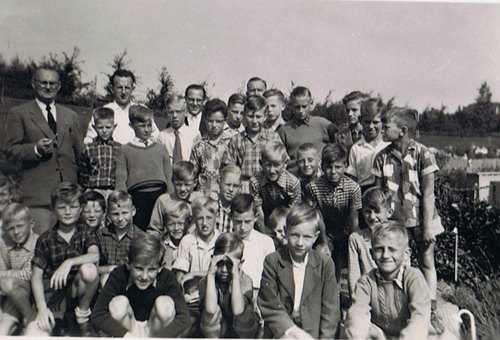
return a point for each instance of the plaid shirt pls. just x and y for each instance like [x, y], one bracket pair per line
[15, 259]
[297, 122]
[98, 164]
[52, 250]
[284, 192]
[113, 251]
[206, 157]
[245, 152]
[402, 174]
[335, 203]
[223, 223]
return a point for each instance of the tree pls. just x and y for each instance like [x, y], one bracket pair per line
[155, 99]
[484, 95]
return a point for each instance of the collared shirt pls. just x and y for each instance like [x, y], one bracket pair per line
[295, 123]
[206, 157]
[224, 223]
[123, 133]
[15, 259]
[304, 182]
[244, 152]
[402, 174]
[360, 259]
[299, 274]
[52, 250]
[233, 131]
[114, 251]
[335, 203]
[361, 157]
[194, 253]
[256, 247]
[193, 122]
[276, 125]
[400, 307]
[188, 138]
[98, 164]
[142, 143]
[284, 192]
[43, 108]
[171, 252]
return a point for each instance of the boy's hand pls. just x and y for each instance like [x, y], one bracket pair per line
[428, 237]
[296, 333]
[212, 270]
[45, 320]
[235, 270]
[60, 277]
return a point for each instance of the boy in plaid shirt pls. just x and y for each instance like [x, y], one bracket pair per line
[64, 265]
[17, 247]
[115, 239]
[407, 169]
[97, 163]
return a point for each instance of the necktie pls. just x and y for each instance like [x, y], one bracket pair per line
[51, 120]
[177, 147]
[145, 142]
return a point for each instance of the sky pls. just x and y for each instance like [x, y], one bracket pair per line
[424, 54]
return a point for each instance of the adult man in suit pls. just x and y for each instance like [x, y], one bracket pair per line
[46, 139]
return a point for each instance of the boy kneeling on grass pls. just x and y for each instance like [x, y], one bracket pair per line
[142, 299]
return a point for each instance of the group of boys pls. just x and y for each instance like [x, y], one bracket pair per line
[231, 222]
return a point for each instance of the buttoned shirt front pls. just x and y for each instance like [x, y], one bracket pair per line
[194, 253]
[361, 157]
[224, 223]
[114, 250]
[299, 273]
[256, 247]
[98, 164]
[188, 138]
[43, 108]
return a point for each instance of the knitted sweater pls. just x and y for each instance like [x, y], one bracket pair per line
[136, 165]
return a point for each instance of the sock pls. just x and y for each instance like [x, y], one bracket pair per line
[433, 305]
[82, 316]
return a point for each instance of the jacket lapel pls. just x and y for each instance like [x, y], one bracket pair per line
[62, 124]
[40, 121]
[285, 273]
[312, 276]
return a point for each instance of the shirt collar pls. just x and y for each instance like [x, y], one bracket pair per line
[139, 142]
[14, 246]
[43, 106]
[168, 242]
[202, 244]
[398, 279]
[298, 264]
[281, 182]
[100, 141]
[110, 230]
[296, 122]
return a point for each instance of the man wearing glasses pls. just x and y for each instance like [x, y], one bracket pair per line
[45, 138]
[195, 99]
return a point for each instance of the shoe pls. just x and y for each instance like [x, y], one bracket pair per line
[86, 330]
[436, 323]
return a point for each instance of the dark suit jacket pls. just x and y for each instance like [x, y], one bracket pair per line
[319, 305]
[26, 125]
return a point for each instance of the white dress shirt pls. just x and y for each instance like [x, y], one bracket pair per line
[188, 138]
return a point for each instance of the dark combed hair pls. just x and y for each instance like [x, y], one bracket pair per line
[214, 105]
[229, 243]
[256, 79]
[66, 192]
[377, 197]
[242, 203]
[255, 103]
[333, 152]
[147, 248]
[196, 87]
[103, 113]
[355, 95]
[301, 91]
[122, 73]
[183, 171]
[94, 196]
[302, 213]
[139, 113]
[236, 98]
[274, 92]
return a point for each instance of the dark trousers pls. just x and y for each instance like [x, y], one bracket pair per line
[144, 202]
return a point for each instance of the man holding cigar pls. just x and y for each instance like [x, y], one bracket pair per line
[45, 138]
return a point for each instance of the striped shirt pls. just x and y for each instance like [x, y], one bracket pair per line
[98, 164]
[402, 174]
[335, 203]
[223, 223]
[244, 151]
[206, 157]
[15, 259]
[114, 251]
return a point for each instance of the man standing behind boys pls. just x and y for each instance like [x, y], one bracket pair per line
[256, 87]
[178, 138]
[299, 298]
[195, 99]
[45, 137]
[98, 161]
[121, 84]
[407, 169]
[303, 128]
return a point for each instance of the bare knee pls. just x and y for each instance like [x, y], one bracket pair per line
[165, 307]
[426, 258]
[9, 285]
[88, 272]
[118, 307]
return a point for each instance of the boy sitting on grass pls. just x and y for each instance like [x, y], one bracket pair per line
[140, 299]
[393, 299]
[17, 247]
[227, 309]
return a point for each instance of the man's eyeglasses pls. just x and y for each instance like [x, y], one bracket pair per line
[49, 83]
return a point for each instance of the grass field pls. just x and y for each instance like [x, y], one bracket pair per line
[459, 143]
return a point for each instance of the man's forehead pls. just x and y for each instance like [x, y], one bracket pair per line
[42, 74]
[179, 106]
[122, 81]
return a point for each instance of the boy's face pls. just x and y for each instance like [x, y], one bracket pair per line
[254, 120]
[194, 100]
[67, 213]
[280, 233]
[92, 214]
[390, 131]
[229, 187]
[215, 124]
[256, 87]
[307, 162]
[121, 214]
[105, 128]
[389, 254]
[353, 109]
[122, 90]
[235, 114]
[183, 189]
[301, 107]
[143, 275]
[19, 228]
[205, 223]
[301, 239]
[273, 167]
[225, 268]
[143, 130]
[334, 170]
[374, 216]
[243, 223]
[176, 113]
[357, 132]
[275, 107]
[372, 127]
[176, 226]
